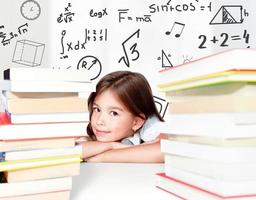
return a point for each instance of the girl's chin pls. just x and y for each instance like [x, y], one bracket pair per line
[101, 139]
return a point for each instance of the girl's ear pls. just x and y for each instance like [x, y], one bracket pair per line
[138, 123]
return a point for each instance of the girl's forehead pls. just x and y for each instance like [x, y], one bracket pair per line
[107, 93]
[108, 97]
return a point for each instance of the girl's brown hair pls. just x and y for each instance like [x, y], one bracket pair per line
[132, 89]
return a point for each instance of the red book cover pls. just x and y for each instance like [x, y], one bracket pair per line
[4, 119]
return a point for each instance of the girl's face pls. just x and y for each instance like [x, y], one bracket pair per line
[110, 120]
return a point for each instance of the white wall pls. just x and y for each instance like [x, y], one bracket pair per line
[153, 49]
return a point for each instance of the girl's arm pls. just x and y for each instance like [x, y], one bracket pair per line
[93, 148]
[143, 153]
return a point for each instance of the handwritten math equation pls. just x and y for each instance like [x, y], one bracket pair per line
[171, 7]
[223, 40]
[131, 52]
[90, 35]
[98, 14]
[94, 35]
[123, 14]
[67, 15]
[7, 37]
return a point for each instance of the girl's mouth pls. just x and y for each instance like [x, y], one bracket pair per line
[101, 132]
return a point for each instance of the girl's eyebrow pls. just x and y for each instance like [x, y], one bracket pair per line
[111, 107]
[116, 108]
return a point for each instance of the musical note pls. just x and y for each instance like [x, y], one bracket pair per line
[177, 29]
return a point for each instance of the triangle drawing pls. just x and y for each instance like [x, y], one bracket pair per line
[228, 15]
[165, 60]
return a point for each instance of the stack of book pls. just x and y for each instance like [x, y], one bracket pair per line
[45, 113]
[211, 129]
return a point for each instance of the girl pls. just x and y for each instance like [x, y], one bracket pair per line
[123, 121]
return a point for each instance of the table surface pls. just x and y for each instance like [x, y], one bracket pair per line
[105, 181]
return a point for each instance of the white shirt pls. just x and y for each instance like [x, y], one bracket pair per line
[148, 132]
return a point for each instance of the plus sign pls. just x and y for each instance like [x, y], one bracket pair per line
[214, 40]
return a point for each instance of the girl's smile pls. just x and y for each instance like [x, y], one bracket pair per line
[100, 132]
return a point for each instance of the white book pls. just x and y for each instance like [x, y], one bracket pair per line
[214, 141]
[209, 81]
[224, 188]
[211, 119]
[19, 145]
[62, 195]
[186, 191]
[224, 129]
[209, 152]
[46, 86]
[225, 89]
[212, 169]
[42, 130]
[45, 74]
[49, 117]
[54, 171]
[35, 187]
[42, 153]
[232, 59]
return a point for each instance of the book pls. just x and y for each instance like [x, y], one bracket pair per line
[55, 171]
[14, 95]
[209, 152]
[214, 104]
[42, 153]
[213, 141]
[225, 77]
[49, 143]
[2, 156]
[185, 191]
[45, 74]
[35, 187]
[46, 86]
[232, 59]
[38, 162]
[219, 98]
[2, 178]
[217, 170]
[10, 131]
[222, 130]
[211, 119]
[221, 187]
[228, 89]
[49, 117]
[61, 195]
[45, 105]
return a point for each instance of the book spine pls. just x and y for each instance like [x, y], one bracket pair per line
[2, 156]
[7, 74]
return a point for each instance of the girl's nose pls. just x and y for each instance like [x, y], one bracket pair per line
[100, 120]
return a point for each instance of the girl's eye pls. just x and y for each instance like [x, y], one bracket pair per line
[96, 109]
[114, 113]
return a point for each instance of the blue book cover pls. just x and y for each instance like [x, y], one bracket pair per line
[2, 156]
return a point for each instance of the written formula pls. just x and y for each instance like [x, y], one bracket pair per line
[189, 7]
